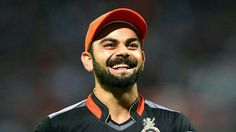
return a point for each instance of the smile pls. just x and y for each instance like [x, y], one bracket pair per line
[118, 66]
[122, 63]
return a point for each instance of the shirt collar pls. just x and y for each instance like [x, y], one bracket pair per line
[102, 112]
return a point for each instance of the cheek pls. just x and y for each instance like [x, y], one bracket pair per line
[101, 57]
[138, 56]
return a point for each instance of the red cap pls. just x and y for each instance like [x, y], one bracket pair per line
[120, 14]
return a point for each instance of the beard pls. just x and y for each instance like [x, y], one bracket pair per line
[108, 80]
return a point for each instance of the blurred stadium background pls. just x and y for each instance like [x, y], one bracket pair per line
[190, 58]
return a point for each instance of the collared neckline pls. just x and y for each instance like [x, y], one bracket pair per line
[101, 111]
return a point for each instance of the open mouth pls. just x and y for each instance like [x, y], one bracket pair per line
[118, 66]
[122, 63]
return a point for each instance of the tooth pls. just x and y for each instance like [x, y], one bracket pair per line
[120, 66]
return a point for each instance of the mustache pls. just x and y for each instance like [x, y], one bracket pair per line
[122, 60]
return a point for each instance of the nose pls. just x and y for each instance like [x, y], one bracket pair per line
[122, 51]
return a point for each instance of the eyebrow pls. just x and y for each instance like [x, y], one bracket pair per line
[109, 39]
[132, 39]
[115, 40]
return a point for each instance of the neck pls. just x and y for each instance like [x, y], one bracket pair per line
[117, 100]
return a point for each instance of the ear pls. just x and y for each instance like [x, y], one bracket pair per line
[87, 61]
[143, 58]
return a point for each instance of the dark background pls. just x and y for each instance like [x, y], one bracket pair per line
[190, 58]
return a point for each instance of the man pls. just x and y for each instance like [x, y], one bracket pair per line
[113, 52]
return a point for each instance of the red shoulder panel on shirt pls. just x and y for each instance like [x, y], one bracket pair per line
[93, 107]
[140, 108]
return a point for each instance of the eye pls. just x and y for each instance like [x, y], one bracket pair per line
[133, 45]
[109, 45]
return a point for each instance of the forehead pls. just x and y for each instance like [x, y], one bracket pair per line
[115, 27]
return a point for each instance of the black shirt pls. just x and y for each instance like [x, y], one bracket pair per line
[91, 115]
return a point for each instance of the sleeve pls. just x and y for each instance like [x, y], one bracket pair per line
[183, 124]
[44, 126]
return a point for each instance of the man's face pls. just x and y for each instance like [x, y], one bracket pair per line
[117, 57]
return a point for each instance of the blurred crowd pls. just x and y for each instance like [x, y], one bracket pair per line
[190, 58]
